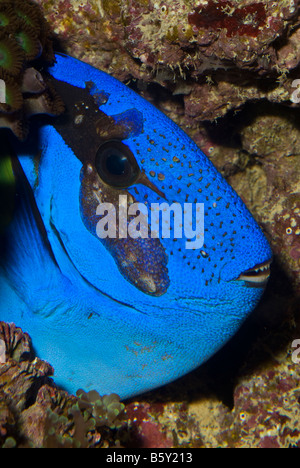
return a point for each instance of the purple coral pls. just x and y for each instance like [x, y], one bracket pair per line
[248, 20]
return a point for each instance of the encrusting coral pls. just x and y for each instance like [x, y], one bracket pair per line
[35, 413]
[24, 39]
[217, 54]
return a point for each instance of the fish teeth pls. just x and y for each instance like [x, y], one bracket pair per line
[256, 275]
[260, 269]
[263, 268]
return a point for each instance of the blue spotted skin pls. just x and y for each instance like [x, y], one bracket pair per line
[63, 286]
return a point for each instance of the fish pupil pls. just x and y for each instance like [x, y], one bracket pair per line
[117, 164]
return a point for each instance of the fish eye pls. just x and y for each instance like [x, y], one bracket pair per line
[116, 164]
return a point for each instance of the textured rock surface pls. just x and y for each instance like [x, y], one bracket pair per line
[35, 413]
[218, 54]
[24, 39]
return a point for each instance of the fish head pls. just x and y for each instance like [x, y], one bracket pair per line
[135, 212]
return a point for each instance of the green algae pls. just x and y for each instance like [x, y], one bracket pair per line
[7, 185]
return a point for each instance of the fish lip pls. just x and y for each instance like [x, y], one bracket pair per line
[256, 276]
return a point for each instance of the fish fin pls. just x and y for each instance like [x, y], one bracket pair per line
[26, 255]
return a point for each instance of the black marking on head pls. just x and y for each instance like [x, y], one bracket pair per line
[84, 127]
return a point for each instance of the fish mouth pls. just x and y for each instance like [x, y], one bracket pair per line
[256, 276]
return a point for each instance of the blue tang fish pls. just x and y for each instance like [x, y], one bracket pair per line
[123, 314]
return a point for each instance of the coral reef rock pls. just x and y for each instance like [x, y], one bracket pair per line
[24, 39]
[35, 413]
[218, 53]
